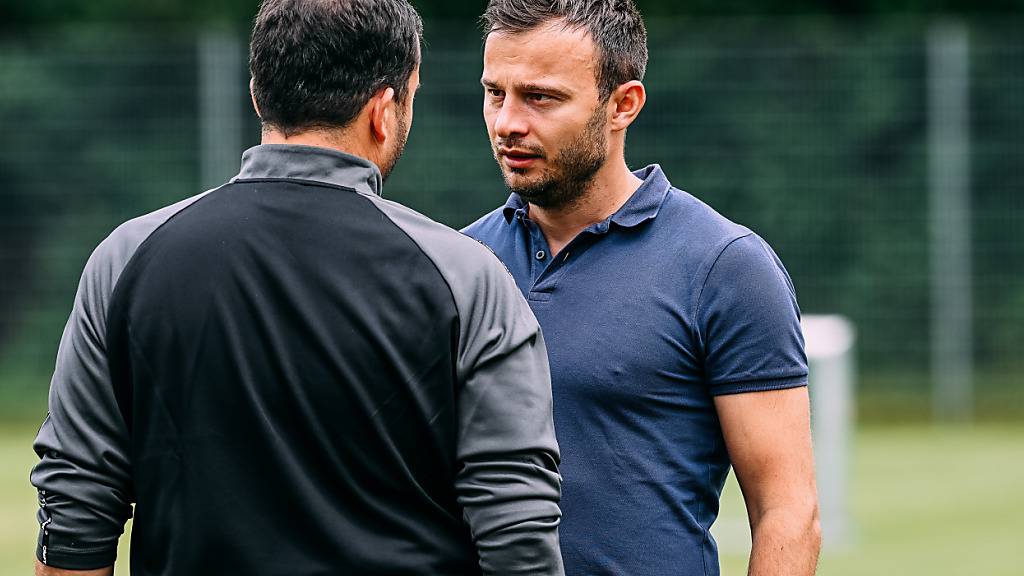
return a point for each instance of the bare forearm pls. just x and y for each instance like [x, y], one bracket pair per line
[768, 435]
[44, 570]
[785, 543]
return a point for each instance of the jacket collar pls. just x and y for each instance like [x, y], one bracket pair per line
[289, 161]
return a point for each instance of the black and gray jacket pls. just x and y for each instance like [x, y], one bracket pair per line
[291, 375]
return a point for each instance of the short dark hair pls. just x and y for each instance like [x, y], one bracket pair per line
[615, 26]
[316, 63]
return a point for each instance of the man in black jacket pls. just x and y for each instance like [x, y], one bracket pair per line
[291, 375]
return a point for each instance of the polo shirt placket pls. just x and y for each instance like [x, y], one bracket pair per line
[546, 268]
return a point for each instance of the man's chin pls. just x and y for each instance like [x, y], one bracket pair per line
[517, 181]
[516, 173]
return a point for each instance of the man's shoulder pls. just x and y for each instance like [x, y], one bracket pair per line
[459, 257]
[114, 252]
[681, 206]
[720, 237]
[487, 227]
[110, 258]
[136, 230]
[694, 227]
[432, 236]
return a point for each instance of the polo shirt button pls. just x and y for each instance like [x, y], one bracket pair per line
[540, 254]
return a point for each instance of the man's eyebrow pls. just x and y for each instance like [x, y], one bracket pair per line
[544, 88]
[530, 87]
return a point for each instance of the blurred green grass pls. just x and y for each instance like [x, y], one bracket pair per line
[941, 501]
[926, 500]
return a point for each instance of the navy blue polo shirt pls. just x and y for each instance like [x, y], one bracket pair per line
[647, 316]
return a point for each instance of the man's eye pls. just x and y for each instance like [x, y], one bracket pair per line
[539, 97]
[495, 92]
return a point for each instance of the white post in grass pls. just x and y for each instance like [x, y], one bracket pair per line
[220, 107]
[830, 354]
[949, 183]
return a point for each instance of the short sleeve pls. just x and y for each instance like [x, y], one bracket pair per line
[749, 321]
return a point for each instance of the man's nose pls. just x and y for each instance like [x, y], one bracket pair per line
[511, 120]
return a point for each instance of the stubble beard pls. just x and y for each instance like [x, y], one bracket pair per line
[396, 152]
[570, 174]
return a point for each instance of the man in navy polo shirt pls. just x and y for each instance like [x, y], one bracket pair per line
[673, 333]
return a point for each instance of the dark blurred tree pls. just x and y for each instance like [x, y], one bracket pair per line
[811, 132]
[17, 236]
[90, 116]
[15, 14]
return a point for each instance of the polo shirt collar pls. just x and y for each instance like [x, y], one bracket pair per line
[642, 206]
[314, 163]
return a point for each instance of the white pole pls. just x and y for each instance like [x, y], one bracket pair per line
[949, 184]
[830, 344]
[830, 355]
[220, 107]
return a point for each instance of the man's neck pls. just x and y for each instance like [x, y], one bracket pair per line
[339, 140]
[611, 187]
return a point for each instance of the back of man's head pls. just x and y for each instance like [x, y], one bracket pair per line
[615, 26]
[316, 63]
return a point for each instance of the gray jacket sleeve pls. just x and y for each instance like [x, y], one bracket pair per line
[508, 484]
[84, 473]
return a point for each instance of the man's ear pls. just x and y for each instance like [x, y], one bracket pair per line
[382, 106]
[625, 104]
[252, 95]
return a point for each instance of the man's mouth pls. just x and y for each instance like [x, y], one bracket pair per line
[518, 159]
